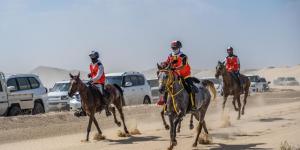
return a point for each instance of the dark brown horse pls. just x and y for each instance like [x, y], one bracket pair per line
[232, 87]
[92, 102]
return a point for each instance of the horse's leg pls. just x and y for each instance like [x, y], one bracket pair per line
[199, 128]
[167, 127]
[120, 110]
[113, 110]
[89, 127]
[239, 105]
[233, 103]
[98, 136]
[171, 121]
[191, 123]
[204, 127]
[224, 100]
[245, 101]
[179, 126]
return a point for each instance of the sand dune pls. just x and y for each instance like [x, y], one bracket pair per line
[50, 75]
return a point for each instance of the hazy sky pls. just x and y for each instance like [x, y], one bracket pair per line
[135, 34]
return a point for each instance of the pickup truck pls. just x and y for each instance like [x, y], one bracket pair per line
[13, 104]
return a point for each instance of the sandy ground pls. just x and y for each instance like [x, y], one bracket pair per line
[270, 119]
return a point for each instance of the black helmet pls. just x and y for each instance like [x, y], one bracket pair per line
[176, 44]
[94, 55]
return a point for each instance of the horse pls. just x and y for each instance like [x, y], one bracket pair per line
[232, 87]
[92, 102]
[179, 100]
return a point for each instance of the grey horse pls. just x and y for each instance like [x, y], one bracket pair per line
[178, 101]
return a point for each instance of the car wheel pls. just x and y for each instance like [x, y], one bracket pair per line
[38, 108]
[14, 111]
[147, 100]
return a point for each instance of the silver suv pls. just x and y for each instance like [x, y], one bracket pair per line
[30, 84]
[135, 86]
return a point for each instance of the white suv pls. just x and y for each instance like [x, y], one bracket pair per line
[30, 84]
[58, 98]
[135, 86]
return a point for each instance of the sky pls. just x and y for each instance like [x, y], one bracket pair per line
[136, 34]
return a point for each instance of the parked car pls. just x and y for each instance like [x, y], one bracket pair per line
[22, 94]
[154, 89]
[75, 102]
[265, 84]
[135, 87]
[217, 83]
[29, 84]
[286, 81]
[258, 84]
[58, 98]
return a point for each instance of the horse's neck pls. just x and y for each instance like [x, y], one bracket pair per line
[83, 91]
[226, 78]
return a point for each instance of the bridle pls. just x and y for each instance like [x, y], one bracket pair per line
[170, 86]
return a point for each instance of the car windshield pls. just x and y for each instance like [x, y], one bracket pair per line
[60, 87]
[263, 80]
[291, 79]
[114, 80]
[253, 78]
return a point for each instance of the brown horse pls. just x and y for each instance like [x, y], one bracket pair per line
[92, 102]
[232, 87]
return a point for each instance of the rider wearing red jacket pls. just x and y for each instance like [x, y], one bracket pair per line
[232, 64]
[97, 77]
[179, 62]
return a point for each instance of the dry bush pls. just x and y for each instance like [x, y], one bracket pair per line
[286, 146]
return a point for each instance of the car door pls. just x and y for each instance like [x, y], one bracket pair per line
[23, 87]
[128, 91]
[3, 95]
[144, 88]
[139, 89]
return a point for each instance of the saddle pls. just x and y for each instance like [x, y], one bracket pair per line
[192, 89]
[96, 93]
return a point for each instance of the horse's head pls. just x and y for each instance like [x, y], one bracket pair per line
[165, 77]
[74, 84]
[220, 69]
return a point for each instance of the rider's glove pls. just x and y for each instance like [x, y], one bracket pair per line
[89, 75]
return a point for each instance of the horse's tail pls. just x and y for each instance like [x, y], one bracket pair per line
[119, 88]
[211, 87]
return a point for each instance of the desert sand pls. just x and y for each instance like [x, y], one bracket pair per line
[271, 118]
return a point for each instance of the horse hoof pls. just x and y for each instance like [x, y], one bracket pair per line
[119, 124]
[167, 127]
[191, 126]
[178, 131]
[84, 141]
[236, 109]
[174, 143]
[99, 137]
[195, 145]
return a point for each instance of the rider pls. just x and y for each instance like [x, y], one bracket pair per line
[232, 64]
[97, 76]
[179, 63]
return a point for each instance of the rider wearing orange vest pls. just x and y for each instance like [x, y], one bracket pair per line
[179, 62]
[97, 76]
[232, 64]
